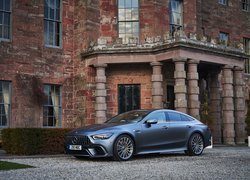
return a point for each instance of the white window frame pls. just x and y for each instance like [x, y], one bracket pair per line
[175, 15]
[5, 12]
[5, 106]
[55, 23]
[52, 114]
[131, 26]
[223, 2]
[224, 38]
[245, 5]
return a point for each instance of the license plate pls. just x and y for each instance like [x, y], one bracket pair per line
[75, 147]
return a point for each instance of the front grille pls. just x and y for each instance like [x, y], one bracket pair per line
[78, 140]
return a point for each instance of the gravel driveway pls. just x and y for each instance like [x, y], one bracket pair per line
[217, 163]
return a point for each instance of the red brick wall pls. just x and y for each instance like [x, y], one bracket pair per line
[128, 74]
[86, 24]
[25, 56]
[230, 19]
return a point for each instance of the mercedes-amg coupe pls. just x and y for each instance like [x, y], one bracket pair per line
[140, 132]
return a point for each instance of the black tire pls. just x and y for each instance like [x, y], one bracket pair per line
[195, 145]
[124, 148]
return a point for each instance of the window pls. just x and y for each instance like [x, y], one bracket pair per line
[5, 13]
[224, 37]
[52, 23]
[224, 2]
[5, 99]
[245, 5]
[246, 44]
[128, 20]
[174, 116]
[128, 97]
[159, 116]
[186, 118]
[175, 8]
[52, 108]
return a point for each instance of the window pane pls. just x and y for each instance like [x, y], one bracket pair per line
[128, 3]
[135, 27]
[1, 5]
[46, 11]
[7, 5]
[128, 14]
[121, 3]
[1, 18]
[5, 100]
[174, 116]
[6, 19]
[122, 27]
[135, 15]
[51, 14]
[128, 27]
[121, 14]
[6, 32]
[135, 3]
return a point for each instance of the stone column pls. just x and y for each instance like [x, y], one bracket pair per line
[180, 88]
[215, 107]
[193, 89]
[157, 90]
[239, 109]
[100, 94]
[228, 105]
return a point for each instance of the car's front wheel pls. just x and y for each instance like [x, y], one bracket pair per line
[123, 148]
[195, 145]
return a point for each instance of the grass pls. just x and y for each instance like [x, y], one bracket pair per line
[9, 166]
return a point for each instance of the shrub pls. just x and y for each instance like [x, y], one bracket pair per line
[30, 141]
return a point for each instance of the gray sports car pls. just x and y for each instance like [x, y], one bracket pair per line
[140, 132]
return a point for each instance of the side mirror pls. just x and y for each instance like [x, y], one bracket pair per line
[151, 121]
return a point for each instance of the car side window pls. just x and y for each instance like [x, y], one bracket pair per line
[186, 118]
[159, 116]
[174, 116]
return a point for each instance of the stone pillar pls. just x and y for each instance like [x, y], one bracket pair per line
[239, 109]
[100, 94]
[157, 90]
[193, 89]
[215, 107]
[228, 105]
[180, 88]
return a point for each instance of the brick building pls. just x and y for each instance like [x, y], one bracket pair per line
[70, 63]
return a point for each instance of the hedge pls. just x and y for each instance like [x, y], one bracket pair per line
[31, 141]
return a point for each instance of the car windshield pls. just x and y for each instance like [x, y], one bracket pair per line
[129, 117]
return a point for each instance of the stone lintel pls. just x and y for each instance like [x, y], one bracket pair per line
[156, 63]
[179, 59]
[193, 61]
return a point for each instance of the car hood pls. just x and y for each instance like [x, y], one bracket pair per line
[95, 128]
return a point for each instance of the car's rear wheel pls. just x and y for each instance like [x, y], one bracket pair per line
[123, 148]
[195, 145]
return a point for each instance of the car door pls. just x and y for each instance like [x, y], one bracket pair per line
[153, 136]
[179, 129]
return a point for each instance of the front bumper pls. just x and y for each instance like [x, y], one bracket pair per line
[89, 147]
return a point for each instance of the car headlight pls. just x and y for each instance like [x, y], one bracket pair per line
[102, 136]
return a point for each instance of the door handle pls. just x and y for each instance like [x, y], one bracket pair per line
[188, 126]
[165, 127]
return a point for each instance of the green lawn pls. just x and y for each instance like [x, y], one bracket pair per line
[9, 165]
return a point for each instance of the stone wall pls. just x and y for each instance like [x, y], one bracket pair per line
[25, 58]
[86, 33]
[128, 74]
[230, 19]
